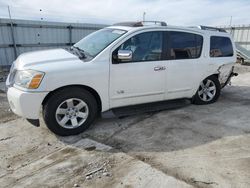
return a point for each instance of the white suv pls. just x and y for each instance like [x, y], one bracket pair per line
[122, 65]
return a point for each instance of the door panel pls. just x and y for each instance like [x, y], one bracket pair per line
[142, 79]
[181, 78]
[136, 83]
[184, 54]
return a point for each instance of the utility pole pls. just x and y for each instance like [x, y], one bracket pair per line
[231, 18]
[144, 16]
[9, 13]
[12, 33]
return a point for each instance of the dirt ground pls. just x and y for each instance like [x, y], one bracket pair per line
[5, 112]
[192, 146]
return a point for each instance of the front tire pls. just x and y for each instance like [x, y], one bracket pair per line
[208, 91]
[70, 111]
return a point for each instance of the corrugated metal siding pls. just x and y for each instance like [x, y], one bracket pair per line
[241, 35]
[77, 33]
[5, 35]
[39, 35]
[7, 56]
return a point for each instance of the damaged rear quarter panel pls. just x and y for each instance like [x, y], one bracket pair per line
[224, 72]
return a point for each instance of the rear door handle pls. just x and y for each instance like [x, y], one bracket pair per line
[159, 68]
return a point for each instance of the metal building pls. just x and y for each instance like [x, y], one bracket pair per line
[241, 35]
[21, 36]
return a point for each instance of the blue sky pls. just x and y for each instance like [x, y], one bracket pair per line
[174, 12]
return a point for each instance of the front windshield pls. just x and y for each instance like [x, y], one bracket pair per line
[94, 43]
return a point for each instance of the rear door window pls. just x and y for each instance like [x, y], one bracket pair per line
[221, 47]
[185, 45]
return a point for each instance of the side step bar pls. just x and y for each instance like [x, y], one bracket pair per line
[145, 108]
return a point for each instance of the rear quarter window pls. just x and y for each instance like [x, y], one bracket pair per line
[221, 47]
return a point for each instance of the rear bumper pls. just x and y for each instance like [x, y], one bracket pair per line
[25, 104]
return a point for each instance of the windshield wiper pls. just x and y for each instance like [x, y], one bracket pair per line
[79, 52]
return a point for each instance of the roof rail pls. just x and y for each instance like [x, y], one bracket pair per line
[210, 28]
[130, 24]
[155, 22]
[140, 24]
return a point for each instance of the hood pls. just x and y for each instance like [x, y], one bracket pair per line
[26, 60]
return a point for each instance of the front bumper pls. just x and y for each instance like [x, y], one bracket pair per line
[25, 104]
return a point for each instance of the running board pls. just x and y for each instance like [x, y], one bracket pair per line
[145, 108]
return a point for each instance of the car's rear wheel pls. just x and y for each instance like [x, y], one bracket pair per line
[208, 91]
[70, 111]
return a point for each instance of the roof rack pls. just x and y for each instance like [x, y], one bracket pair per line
[140, 24]
[155, 22]
[210, 28]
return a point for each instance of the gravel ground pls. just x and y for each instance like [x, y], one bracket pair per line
[193, 146]
[5, 113]
[241, 69]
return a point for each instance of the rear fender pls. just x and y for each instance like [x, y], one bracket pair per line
[225, 72]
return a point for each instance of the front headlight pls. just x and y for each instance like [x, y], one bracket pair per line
[29, 79]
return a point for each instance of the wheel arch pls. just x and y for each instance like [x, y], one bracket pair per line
[89, 89]
[216, 76]
[198, 84]
[204, 78]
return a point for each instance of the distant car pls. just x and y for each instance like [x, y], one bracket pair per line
[121, 65]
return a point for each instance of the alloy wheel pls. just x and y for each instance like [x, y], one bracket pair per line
[207, 90]
[72, 113]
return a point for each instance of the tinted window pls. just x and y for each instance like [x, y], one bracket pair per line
[185, 45]
[221, 47]
[145, 46]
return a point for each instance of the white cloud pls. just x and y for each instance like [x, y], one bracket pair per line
[175, 12]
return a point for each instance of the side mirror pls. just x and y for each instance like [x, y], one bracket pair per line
[125, 55]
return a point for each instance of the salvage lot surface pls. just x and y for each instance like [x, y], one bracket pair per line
[193, 146]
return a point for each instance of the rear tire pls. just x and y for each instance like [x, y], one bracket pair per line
[208, 91]
[70, 111]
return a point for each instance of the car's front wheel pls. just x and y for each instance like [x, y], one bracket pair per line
[208, 91]
[70, 111]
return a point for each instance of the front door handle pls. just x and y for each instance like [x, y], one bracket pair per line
[159, 68]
